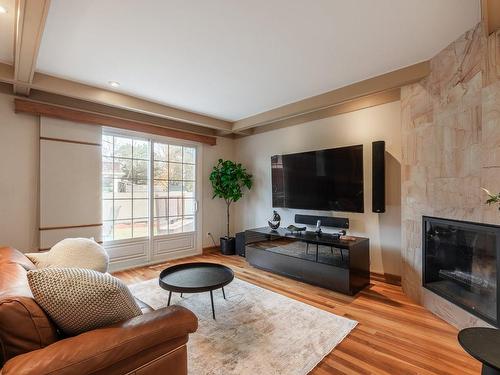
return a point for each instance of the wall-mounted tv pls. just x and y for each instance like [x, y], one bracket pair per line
[329, 180]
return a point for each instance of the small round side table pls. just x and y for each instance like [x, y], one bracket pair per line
[484, 345]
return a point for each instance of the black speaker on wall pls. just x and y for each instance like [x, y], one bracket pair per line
[378, 176]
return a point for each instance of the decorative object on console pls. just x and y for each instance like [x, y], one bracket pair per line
[493, 198]
[318, 227]
[73, 252]
[293, 228]
[228, 180]
[274, 222]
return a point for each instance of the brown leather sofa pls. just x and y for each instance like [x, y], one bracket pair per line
[153, 343]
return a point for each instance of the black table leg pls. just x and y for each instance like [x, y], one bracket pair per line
[181, 295]
[317, 252]
[223, 293]
[169, 296]
[212, 300]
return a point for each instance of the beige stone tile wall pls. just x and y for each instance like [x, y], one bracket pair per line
[451, 148]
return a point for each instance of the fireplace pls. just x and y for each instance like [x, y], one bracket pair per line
[461, 262]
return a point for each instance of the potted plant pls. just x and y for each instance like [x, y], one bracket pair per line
[492, 198]
[228, 182]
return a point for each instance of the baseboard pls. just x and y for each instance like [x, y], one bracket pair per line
[386, 278]
[116, 266]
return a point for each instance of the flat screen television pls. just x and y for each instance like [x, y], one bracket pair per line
[329, 180]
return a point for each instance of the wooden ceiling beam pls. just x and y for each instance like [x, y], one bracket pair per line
[382, 83]
[28, 30]
[70, 89]
[60, 112]
[54, 85]
[339, 109]
[64, 101]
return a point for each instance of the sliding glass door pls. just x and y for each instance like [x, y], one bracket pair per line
[174, 178]
[149, 194]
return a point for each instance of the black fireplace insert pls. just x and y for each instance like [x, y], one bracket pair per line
[461, 262]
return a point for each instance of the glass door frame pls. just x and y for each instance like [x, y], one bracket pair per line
[150, 240]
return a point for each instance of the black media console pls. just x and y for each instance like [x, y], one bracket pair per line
[323, 260]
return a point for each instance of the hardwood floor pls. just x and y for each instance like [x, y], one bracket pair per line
[394, 335]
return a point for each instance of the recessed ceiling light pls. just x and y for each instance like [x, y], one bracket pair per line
[3, 9]
[114, 83]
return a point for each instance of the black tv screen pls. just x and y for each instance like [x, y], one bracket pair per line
[330, 180]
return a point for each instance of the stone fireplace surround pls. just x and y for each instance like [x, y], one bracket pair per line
[451, 148]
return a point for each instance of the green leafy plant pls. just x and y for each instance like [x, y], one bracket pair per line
[492, 198]
[228, 182]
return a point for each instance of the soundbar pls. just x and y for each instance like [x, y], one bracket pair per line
[326, 221]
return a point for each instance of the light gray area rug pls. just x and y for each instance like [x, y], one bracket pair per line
[256, 332]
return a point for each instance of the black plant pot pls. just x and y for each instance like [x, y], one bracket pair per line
[227, 245]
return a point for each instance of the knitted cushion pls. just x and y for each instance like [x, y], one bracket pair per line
[73, 252]
[79, 300]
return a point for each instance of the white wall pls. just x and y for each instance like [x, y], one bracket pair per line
[360, 127]
[19, 191]
[19, 142]
[19, 164]
[214, 210]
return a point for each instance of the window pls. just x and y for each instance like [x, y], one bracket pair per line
[174, 188]
[125, 184]
[129, 196]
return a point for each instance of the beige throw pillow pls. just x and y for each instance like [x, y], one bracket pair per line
[79, 300]
[73, 252]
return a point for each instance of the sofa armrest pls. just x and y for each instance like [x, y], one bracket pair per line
[101, 348]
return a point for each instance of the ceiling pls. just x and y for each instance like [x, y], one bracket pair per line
[232, 59]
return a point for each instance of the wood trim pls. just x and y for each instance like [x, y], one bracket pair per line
[350, 106]
[386, 278]
[71, 226]
[64, 101]
[70, 141]
[490, 15]
[384, 82]
[6, 73]
[493, 58]
[50, 110]
[29, 25]
[89, 93]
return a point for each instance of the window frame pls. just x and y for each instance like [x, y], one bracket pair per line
[152, 139]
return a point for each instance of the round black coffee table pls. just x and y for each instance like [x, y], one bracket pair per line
[196, 278]
[484, 345]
